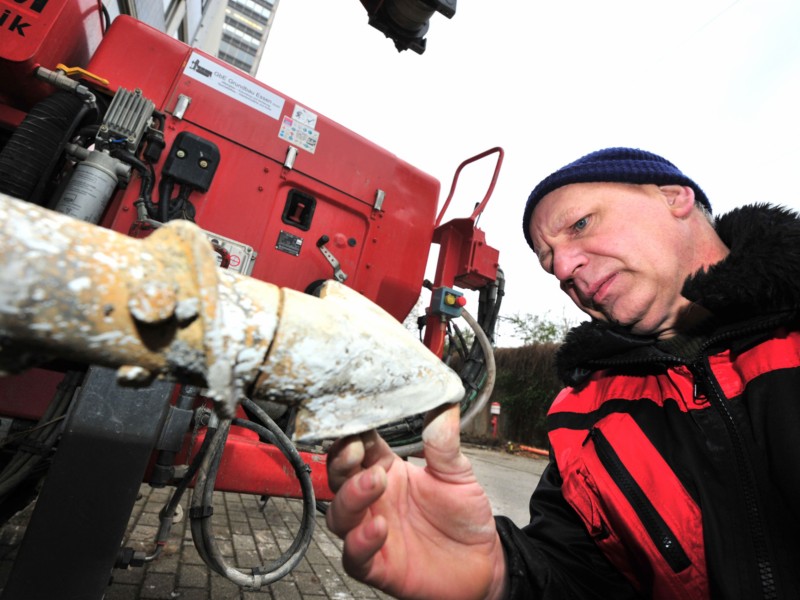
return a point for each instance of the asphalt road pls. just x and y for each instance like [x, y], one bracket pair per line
[508, 479]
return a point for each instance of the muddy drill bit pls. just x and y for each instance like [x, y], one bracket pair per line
[161, 307]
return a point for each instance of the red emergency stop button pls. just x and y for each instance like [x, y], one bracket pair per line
[453, 300]
[448, 302]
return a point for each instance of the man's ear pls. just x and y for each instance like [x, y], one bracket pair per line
[679, 198]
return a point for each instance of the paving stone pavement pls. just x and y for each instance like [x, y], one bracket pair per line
[248, 532]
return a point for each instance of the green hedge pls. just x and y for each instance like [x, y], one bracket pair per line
[525, 388]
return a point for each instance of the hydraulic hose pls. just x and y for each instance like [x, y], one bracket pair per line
[405, 436]
[201, 508]
[147, 175]
[32, 154]
[167, 513]
[42, 437]
[264, 434]
[491, 371]
[486, 386]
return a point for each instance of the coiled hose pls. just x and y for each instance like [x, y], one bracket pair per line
[486, 385]
[202, 508]
[478, 372]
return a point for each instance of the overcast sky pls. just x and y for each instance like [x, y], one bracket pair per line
[712, 85]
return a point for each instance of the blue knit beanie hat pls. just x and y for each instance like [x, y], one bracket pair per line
[613, 165]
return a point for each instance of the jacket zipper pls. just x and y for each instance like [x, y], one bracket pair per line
[660, 533]
[702, 371]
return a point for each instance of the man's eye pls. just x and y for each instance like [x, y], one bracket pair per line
[580, 224]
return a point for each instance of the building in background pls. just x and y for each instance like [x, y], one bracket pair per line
[233, 30]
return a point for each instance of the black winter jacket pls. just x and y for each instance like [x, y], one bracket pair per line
[675, 469]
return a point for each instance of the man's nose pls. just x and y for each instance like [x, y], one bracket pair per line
[567, 261]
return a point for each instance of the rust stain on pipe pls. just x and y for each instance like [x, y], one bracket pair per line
[156, 306]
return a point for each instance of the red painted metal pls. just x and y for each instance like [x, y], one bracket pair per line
[383, 251]
[43, 33]
[27, 395]
[379, 212]
[251, 467]
[465, 259]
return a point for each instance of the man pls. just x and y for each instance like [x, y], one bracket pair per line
[675, 469]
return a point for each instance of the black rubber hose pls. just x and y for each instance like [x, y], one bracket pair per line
[482, 385]
[147, 175]
[263, 433]
[43, 437]
[201, 509]
[167, 513]
[404, 437]
[106, 17]
[164, 193]
[30, 157]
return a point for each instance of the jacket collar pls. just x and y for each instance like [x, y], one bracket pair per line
[760, 277]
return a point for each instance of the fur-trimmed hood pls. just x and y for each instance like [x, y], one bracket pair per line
[760, 277]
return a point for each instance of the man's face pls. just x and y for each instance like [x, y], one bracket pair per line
[620, 252]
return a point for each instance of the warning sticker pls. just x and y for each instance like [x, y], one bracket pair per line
[233, 85]
[299, 135]
[304, 116]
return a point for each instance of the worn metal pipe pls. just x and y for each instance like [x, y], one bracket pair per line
[161, 307]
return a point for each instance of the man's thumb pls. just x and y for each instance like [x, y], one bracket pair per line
[442, 442]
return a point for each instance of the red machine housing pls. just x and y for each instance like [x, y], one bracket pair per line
[296, 199]
[289, 180]
[32, 34]
[376, 210]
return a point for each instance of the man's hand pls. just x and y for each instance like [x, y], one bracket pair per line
[415, 532]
